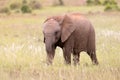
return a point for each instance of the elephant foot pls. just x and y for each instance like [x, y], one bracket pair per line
[95, 62]
[76, 64]
[48, 63]
[68, 62]
[76, 60]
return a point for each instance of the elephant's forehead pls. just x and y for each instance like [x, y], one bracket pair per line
[50, 26]
[51, 23]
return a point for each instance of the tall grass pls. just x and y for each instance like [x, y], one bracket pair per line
[22, 51]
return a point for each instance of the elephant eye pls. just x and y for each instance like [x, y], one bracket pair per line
[56, 32]
[44, 39]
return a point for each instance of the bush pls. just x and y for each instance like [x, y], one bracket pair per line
[15, 6]
[108, 7]
[24, 1]
[17, 11]
[35, 4]
[5, 10]
[105, 2]
[93, 2]
[97, 2]
[25, 9]
[58, 3]
[89, 2]
[109, 2]
[111, 6]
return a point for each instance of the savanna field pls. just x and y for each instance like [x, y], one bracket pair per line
[23, 55]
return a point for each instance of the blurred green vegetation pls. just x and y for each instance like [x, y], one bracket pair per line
[111, 5]
[93, 2]
[29, 6]
[24, 6]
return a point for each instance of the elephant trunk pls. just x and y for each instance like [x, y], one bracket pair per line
[50, 50]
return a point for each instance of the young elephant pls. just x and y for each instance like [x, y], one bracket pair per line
[73, 33]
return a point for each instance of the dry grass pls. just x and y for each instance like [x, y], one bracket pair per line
[22, 51]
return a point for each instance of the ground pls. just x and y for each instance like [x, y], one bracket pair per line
[23, 56]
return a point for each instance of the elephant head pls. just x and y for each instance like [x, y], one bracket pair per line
[56, 28]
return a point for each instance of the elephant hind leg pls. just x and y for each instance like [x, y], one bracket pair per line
[91, 46]
[93, 57]
[92, 51]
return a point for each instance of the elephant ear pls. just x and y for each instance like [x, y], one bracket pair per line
[67, 28]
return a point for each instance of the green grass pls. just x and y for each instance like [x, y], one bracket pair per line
[23, 56]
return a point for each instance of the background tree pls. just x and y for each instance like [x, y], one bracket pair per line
[58, 3]
[61, 2]
[97, 2]
[93, 2]
[111, 5]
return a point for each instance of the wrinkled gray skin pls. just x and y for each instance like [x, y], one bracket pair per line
[73, 33]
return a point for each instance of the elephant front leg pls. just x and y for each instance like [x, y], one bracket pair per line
[67, 55]
[93, 57]
[76, 58]
[50, 58]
